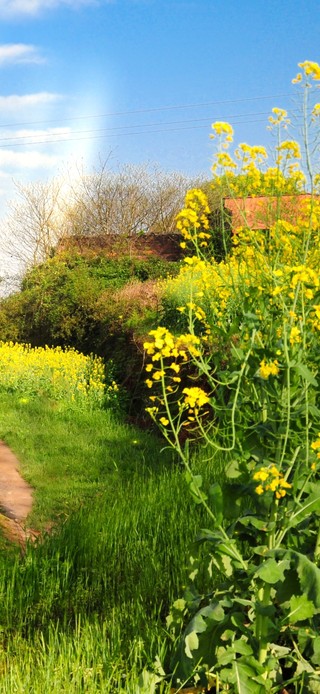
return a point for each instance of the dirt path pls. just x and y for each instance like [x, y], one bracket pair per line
[15, 498]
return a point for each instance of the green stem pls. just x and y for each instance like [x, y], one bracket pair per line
[288, 403]
[263, 596]
[317, 547]
[211, 442]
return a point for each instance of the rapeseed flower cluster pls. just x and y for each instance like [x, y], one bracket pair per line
[195, 398]
[192, 221]
[168, 353]
[310, 69]
[265, 293]
[271, 480]
[250, 394]
[222, 128]
[165, 345]
[316, 445]
[290, 148]
[280, 116]
[245, 174]
[267, 369]
[61, 374]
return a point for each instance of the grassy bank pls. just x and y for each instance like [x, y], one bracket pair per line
[69, 455]
[84, 610]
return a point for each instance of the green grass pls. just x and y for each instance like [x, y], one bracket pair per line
[115, 567]
[84, 609]
[69, 455]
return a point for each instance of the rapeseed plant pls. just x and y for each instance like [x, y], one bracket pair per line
[241, 379]
[60, 374]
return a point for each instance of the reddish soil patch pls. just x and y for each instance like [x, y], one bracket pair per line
[15, 498]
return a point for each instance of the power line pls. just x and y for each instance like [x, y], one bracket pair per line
[150, 110]
[138, 125]
[110, 131]
[121, 134]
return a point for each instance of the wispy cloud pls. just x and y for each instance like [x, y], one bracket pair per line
[15, 8]
[28, 136]
[14, 53]
[12, 160]
[15, 102]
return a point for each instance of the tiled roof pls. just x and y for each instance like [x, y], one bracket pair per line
[261, 212]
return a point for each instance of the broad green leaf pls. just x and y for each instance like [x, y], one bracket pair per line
[255, 522]
[197, 624]
[237, 352]
[279, 651]
[306, 374]
[261, 550]
[308, 574]
[238, 619]
[313, 684]
[222, 563]
[212, 536]
[310, 505]
[242, 647]
[271, 571]
[227, 635]
[216, 498]
[243, 601]
[195, 484]
[179, 604]
[214, 611]
[300, 609]
[148, 682]
[193, 574]
[244, 677]
[232, 470]
[316, 651]
[251, 316]
[191, 643]
[225, 656]
[314, 411]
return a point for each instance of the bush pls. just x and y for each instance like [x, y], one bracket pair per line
[97, 305]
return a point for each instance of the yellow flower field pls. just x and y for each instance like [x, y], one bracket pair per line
[61, 374]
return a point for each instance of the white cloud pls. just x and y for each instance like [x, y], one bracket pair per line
[19, 151]
[13, 8]
[30, 137]
[15, 102]
[13, 53]
[27, 160]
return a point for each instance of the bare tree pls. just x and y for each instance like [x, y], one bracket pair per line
[119, 203]
[33, 225]
[134, 199]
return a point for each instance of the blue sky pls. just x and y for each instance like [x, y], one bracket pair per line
[142, 80]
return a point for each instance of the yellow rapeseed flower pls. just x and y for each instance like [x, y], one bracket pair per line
[295, 336]
[195, 397]
[311, 69]
[61, 374]
[271, 480]
[267, 369]
[220, 128]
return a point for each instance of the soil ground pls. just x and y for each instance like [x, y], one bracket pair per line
[15, 498]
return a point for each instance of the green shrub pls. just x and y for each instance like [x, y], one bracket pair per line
[96, 304]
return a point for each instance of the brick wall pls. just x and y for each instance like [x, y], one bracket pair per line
[166, 246]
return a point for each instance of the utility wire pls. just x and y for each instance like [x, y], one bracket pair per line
[110, 131]
[121, 134]
[126, 127]
[150, 110]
